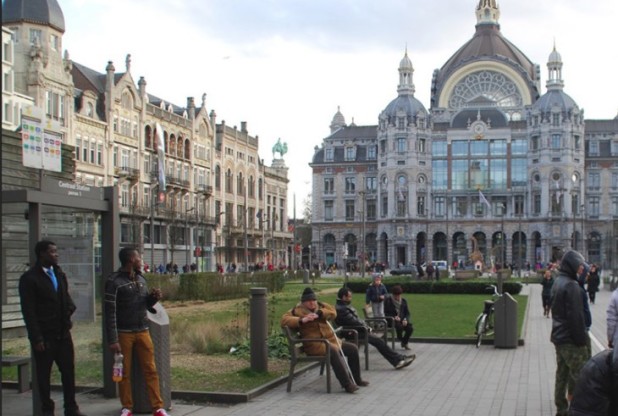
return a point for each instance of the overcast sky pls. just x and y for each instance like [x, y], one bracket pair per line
[284, 66]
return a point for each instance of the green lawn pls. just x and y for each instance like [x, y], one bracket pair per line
[433, 316]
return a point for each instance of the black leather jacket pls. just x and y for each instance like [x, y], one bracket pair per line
[47, 312]
[595, 390]
[126, 302]
[347, 316]
[567, 310]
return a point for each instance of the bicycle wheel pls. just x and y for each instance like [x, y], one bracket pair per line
[480, 329]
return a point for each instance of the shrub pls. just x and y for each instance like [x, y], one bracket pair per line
[214, 286]
[442, 286]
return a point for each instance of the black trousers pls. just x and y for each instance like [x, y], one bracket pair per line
[386, 351]
[61, 352]
[339, 366]
[404, 332]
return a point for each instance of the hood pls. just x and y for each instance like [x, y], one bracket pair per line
[570, 263]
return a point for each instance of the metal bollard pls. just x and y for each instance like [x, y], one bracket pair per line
[259, 329]
[160, 334]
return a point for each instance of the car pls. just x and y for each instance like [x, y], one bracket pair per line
[404, 271]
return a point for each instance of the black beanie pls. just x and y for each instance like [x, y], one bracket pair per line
[308, 294]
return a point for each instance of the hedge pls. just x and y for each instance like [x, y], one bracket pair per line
[214, 286]
[439, 287]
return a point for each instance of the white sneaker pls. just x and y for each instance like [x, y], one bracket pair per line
[126, 412]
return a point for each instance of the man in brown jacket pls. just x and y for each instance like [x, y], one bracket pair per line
[310, 318]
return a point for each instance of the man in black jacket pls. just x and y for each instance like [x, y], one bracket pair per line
[47, 308]
[126, 300]
[569, 334]
[596, 391]
[348, 317]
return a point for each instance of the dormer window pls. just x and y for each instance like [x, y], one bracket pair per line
[350, 153]
[328, 155]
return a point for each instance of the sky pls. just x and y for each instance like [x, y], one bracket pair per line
[286, 66]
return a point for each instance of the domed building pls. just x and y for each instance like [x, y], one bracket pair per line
[495, 166]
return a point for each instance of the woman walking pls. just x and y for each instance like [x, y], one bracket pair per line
[547, 282]
[594, 281]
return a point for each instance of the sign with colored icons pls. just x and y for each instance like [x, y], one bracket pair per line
[41, 141]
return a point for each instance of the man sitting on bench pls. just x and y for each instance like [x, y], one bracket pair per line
[310, 318]
[348, 317]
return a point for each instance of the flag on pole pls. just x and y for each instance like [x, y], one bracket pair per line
[484, 200]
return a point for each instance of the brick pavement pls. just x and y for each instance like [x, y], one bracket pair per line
[444, 380]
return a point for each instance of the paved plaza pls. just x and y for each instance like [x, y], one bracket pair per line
[445, 379]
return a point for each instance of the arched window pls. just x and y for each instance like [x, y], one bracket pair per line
[239, 184]
[260, 189]
[126, 100]
[251, 187]
[148, 137]
[187, 149]
[172, 145]
[218, 178]
[228, 181]
[180, 148]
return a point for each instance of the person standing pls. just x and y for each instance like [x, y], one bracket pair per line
[47, 307]
[593, 283]
[396, 307]
[310, 318]
[126, 300]
[376, 292]
[612, 326]
[547, 282]
[569, 334]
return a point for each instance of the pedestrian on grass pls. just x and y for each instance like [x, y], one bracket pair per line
[126, 301]
[375, 295]
[46, 306]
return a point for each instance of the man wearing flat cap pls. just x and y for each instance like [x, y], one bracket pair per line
[568, 334]
[310, 318]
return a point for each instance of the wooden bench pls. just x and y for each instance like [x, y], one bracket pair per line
[23, 370]
[296, 355]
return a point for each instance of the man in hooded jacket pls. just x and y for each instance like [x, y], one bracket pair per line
[569, 334]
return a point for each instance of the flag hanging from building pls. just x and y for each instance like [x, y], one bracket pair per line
[484, 200]
[160, 141]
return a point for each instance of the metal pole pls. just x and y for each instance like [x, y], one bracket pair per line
[155, 190]
[583, 233]
[246, 242]
[188, 236]
[363, 254]
[503, 260]
[259, 329]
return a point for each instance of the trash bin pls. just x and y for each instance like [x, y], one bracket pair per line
[160, 334]
[306, 277]
[505, 322]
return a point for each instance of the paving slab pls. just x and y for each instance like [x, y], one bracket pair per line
[445, 380]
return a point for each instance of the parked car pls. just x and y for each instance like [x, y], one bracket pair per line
[404, 271]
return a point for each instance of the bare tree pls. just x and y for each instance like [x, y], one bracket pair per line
[307, 201]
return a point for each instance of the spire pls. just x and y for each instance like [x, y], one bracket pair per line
[554, 70]
[338, 121]
[487, 12]
[406, 86]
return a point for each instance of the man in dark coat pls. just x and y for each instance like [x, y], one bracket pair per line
[397, 308]
[348, 317]
[47, 308]
[569, 334]
[596, 391]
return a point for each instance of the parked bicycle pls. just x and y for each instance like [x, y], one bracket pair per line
[485, 321]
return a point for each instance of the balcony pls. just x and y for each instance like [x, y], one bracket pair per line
[175, 181]
[131, 174]
[204, 189]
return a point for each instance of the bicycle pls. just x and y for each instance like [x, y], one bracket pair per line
[485, 321]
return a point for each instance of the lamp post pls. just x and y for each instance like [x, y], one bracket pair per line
[583, 210]
[574, 209]
[502, 237]
[362, 212]
[188, 235]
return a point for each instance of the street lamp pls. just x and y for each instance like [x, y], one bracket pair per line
[188, 235]
[574, 209]
[503, 237]
[362, 212]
